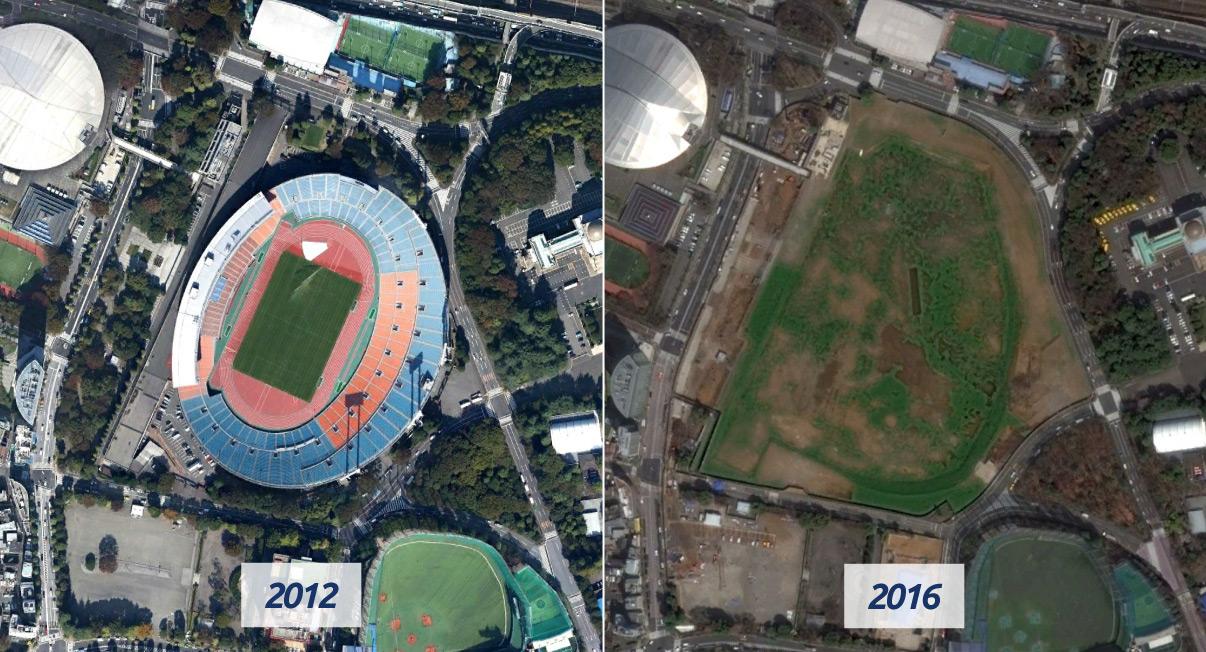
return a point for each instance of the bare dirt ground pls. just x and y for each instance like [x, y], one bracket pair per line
[830, 547]
[745, 567]
[721, 326]
[1045, 375]
[902, 548]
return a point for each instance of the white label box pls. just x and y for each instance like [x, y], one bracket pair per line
[300, 594]
[903, 596]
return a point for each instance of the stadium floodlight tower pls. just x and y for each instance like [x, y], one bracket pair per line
[656, 98]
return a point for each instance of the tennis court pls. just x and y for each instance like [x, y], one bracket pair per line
[391, 47]
[439, 593]
[295, 325]
[1015, 49]
[17, 265]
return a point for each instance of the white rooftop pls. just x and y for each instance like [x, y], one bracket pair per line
[900, 31]
[299, 36]
[51, 96]
[1179, 434]
[656, 97]
[576, 433]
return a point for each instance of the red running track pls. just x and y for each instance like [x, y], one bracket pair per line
[259, 404]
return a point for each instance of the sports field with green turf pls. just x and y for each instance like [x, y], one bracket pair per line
[1031, 591]
[447, 592]
[1146, 612]
[547, 617]
[1015, 49]
[391, 47]
[17, 265]
[295, 325]
[626, 266]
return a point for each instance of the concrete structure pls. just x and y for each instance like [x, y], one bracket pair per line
[1176, 434]
[52, 97]
[900, 31]
[298, 36]
[629, 386]
[655, 99]
[45, 214]
[27, 390]
[588, 236]
[576, 433]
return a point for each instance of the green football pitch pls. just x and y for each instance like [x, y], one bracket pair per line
[392, 47]
[16, 265]
[295, 326]
[445, 592]
[1015, 49]
[626, 266]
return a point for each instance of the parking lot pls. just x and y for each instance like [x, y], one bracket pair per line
[178, 439]
[155, 559]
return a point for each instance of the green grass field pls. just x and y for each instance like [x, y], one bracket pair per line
[17, 265]
[1148, 613]
[295, 326]
[458, 582]
[314, 137]
[392, 47]
[883, 353]
[547, 617]
[1038, 594]
[626, 266]
[1015, 49]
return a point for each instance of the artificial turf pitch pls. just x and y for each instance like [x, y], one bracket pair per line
[400, 50]
[438, 593]
[295, 326]
[17, 265]
[627, 267]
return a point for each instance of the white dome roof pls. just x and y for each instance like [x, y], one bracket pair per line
[656, 97]
[51, 96]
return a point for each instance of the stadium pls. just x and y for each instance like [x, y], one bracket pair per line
[656, 98]
[51, 97]
[311, 332]
[437, 592]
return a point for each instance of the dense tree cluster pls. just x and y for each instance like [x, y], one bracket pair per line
[1120, 167]
[560, 479]
[333, 503]
[1049, 150]
[520, 324]
[718, 53]
[517, 171]
[536, 72]
[161, 206]
[811, 22]
[1079, 469]
[470, 470]
[475, 78]
[442, 153]
[1084, 62]
[1140, 69]
[186, 133]
[129, 70]
[210, 24]
[93, 382]
[788, 73]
